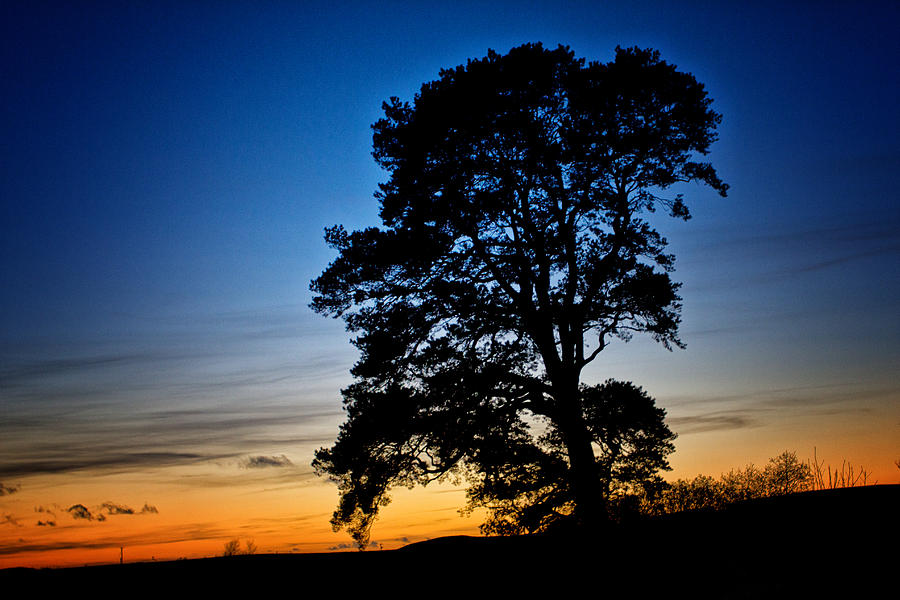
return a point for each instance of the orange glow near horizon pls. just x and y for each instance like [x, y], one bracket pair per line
[285, 508]
[198, 513]
[195, 521]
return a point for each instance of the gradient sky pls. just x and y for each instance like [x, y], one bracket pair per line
[167, 172]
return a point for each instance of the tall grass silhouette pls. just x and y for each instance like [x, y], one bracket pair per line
[826, 478]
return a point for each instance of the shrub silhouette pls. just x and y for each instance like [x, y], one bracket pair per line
[232, 548]
[784, 474]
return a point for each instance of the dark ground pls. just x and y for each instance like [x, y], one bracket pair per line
[826, 544]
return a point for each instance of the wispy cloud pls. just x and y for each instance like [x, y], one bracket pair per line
[759, 408]
[712, 422]
[49, 459]
[174, 534]
[28, 371]
[260, 462]
[165, 534]
[189, 389]
[851, 393]
[881, 231]
[773, 256]
[813, 264]
[6, 490]
[10, 520]
[130, 441]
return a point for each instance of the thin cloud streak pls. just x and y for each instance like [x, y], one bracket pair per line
[787, 254]
[758, 409]
[120, 441]
[189, 532]
[183, 356]
[90, 461]
[273, 479]
[14, 375]
[806, 395]
[706, 423]
[117, 377]
[262, 462]
[838, 260]
[125, 441]
[840, 231]
[175, 534]
[175, 396]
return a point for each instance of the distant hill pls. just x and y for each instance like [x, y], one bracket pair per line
[832, 543]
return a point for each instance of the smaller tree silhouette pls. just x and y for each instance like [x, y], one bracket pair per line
[786, 474]
[232, 547]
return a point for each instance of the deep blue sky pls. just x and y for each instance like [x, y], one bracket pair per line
[168, 168]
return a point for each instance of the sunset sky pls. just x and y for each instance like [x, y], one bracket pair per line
[167, 172]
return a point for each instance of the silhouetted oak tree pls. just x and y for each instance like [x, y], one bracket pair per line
[513, 249]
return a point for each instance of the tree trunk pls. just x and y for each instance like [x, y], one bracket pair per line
[590, 502]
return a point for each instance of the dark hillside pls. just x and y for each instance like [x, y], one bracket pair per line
[831, 543]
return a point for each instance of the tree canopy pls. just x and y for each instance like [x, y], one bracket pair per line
[514, 248]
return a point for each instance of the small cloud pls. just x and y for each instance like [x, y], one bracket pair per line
[44, 509]
[6, 490]
[260, 462]
[100, 513]
[80, 511]
[344, 546]
[116, 509]
[10, 520]
[47, 523]
[352, 546]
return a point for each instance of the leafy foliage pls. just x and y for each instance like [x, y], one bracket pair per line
[514, 248]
